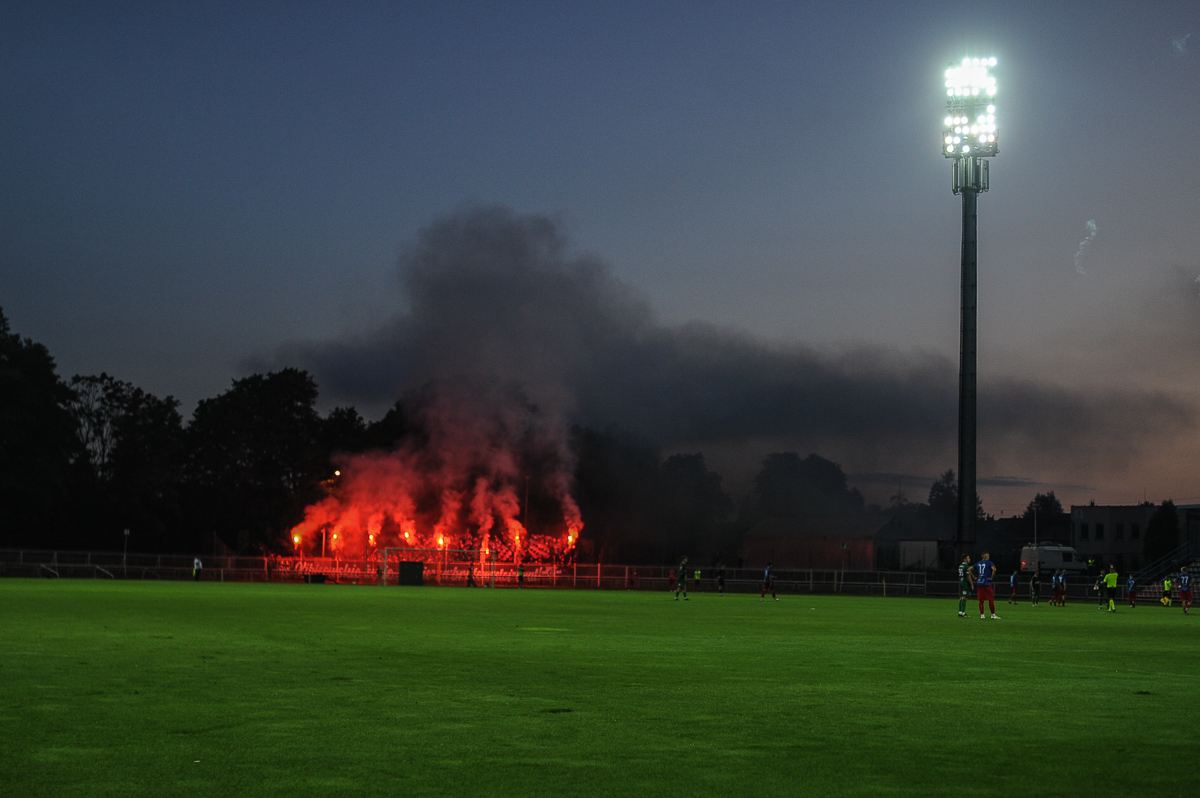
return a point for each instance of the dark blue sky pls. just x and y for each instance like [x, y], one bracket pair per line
[186, 189]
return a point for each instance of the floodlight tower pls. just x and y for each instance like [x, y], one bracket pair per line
[968, 139]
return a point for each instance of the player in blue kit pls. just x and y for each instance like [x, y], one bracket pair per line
[1060, 589]
[1185, 591]
[1131, 591]
[768, 584]
[985, 571]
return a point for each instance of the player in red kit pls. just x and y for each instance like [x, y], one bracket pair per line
[768, 583]
[984, 571]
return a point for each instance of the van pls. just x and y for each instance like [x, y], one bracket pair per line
[1050, 557]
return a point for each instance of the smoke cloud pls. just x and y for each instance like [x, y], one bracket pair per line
[1091, 233]
[454, 482]
[491, 294]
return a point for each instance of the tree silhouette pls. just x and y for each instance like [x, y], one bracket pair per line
[790, 487]
[38, 446]
[255, 459]
[1162, 532]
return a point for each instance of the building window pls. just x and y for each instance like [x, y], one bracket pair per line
[1119, 531]
[1083, 531]
[1135, 531]
[1099, 531]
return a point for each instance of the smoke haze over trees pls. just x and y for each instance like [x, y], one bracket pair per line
[102, 455]
[648, 418]
[489, 292]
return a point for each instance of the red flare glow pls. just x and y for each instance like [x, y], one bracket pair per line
[458, 488]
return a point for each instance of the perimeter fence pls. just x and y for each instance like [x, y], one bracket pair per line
[446, 571]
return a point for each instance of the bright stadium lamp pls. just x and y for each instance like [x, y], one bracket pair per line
[969, 127]
[969, 138]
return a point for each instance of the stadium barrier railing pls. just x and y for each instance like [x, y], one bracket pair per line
[32, 563]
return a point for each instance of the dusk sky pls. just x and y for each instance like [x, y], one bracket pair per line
[191, 192]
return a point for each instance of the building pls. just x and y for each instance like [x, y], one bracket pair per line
[1114, 534]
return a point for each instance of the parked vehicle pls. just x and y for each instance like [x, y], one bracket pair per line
[1050, 557]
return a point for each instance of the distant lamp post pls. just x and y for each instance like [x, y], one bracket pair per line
[969, 137]
[125, 555]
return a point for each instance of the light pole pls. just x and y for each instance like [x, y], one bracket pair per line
[969, 138]
[125, 555]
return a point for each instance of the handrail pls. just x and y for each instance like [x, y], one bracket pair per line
[1164, 564]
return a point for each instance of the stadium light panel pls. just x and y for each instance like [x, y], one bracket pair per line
[970, 122]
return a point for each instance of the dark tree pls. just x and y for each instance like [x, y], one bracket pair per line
[399, 425]
[134, 446]
[344, 430]
[692, 505]
[1162, 532]
[255, 460]
[616, 486]
[1046, 505]
[98, 403]
[943, 497]
[147, 471]
[38, 445]
[791, 487]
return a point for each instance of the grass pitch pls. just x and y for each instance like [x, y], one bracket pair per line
[110, 688]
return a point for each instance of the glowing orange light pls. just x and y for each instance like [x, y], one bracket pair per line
[406, 536]
[337, 473]
[296, 539]
[440, 541]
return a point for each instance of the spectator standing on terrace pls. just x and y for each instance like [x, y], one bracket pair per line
[1185, 591]
[197, 567]
[1131, 590]
[682, 583]
[768, 583]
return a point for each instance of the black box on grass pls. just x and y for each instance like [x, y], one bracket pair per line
[412, 573]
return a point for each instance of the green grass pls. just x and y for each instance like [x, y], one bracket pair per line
[110, 688]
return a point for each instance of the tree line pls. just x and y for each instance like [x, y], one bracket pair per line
[83, 459]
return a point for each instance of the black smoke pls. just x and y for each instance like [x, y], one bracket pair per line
[490, 293]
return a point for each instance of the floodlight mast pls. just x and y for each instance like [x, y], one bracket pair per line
[969, 137]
